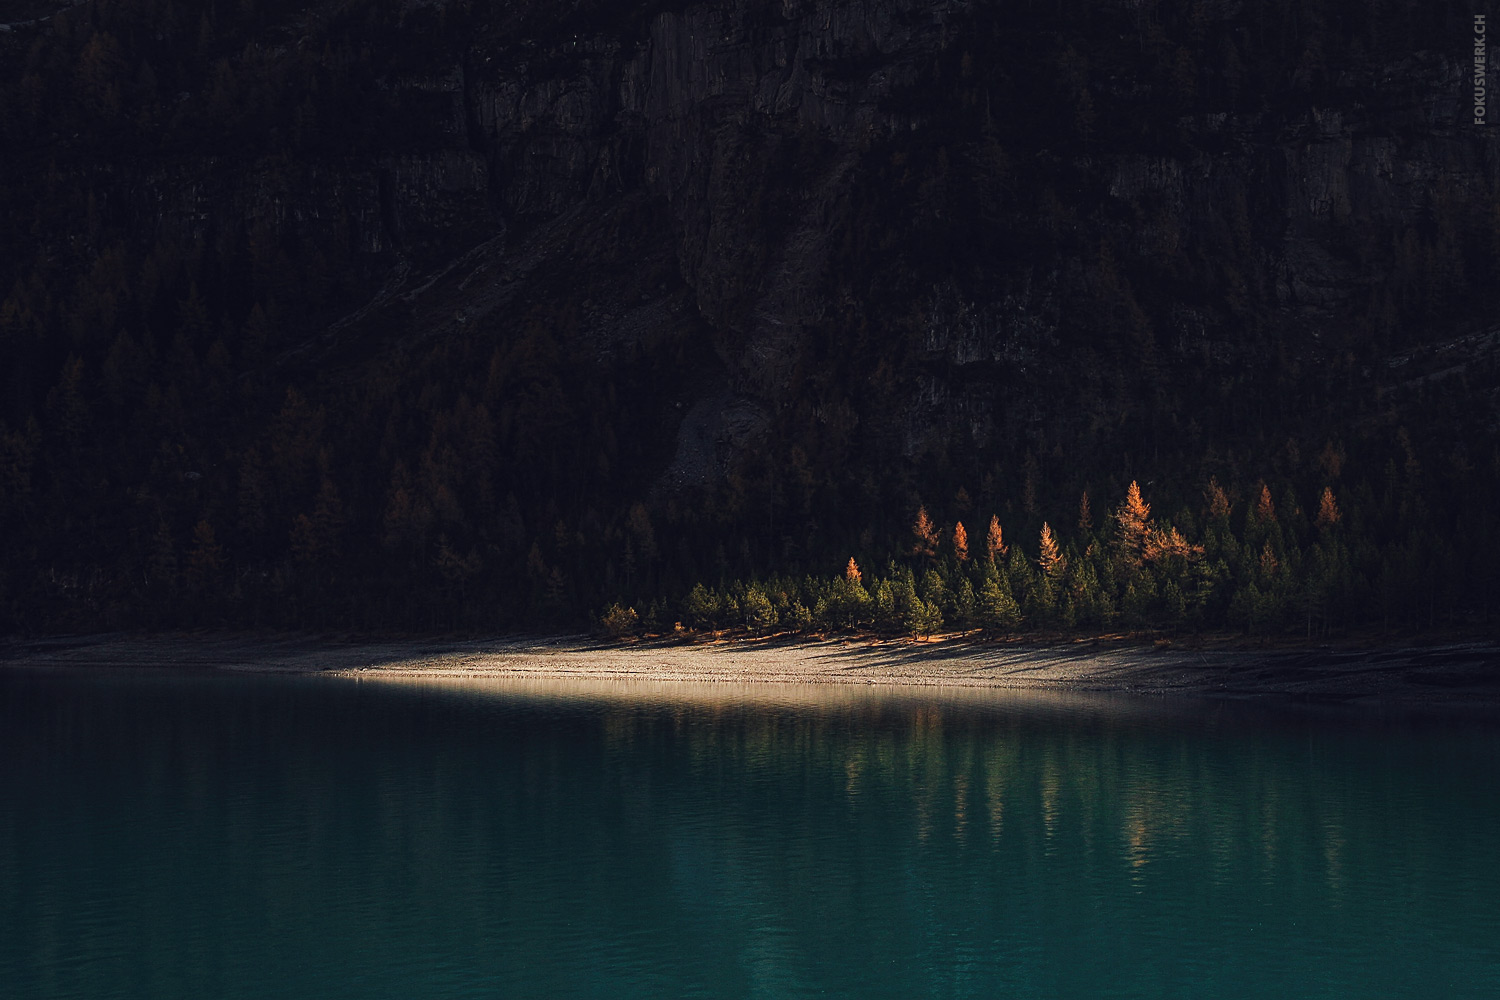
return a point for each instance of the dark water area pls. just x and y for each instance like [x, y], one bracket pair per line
[204, 834]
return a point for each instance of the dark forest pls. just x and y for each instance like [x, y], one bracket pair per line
[885, 315]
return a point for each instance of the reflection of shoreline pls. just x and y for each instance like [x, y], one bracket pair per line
[1455, 674]
[759, 695]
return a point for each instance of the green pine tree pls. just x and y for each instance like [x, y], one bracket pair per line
[997, 608]
[702, 608]
[923, 618]
[964, 603]
[757, 610]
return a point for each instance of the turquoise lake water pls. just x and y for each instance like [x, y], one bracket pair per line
[214, 835]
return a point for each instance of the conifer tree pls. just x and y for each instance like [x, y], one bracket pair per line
[757, 610]
[1085, 515]
[1218, 500]
[456, 569]
[1084, 593]
[1133, 521]
[1067, 609]
[729, 610]
[1167, 544]
[926, 536]
[619, 622]
[1041, 601]
[1173, 602]
[1265, 508]
[934, 588]
[1268, 564]
[1018, 571]
[960, 542]
[997, 607]
[905, 594]
[1049, 558]
[994, 542]
[798, 618]
[963, 602]
[1246, 606]
[1328, 510]
[702, 607]
[846, 605]
[922, 617]
[851, 571]
[1218, 538]
[1136, 601]
[1261, 523]
[885, 606]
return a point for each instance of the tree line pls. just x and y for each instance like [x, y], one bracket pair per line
[1255, 567]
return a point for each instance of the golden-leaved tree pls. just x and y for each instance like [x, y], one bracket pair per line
[1049, 557]
[1328, 509]
[925, 534]
[994, 542]
[1133, 522]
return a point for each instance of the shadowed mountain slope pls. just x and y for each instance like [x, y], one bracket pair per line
[484, 313]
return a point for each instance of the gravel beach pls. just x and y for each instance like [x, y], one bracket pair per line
[1455, 673]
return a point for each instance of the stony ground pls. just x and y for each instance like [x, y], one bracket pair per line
[1460, 672]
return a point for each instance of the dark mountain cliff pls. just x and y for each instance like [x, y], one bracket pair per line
[526, 305]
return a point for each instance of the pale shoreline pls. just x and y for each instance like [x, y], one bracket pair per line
[1465, 673]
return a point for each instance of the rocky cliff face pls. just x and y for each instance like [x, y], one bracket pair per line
[1200, 221]
[851, 245]
[736, 126]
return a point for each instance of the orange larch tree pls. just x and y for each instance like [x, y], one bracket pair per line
[1049, 557]
[961, 542]
[1218, 500]
[994, 542]
[926, 535]
[1269, 564]
[1328, 509]
[1265, 508]
[1133, 520]
[1163, 543]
